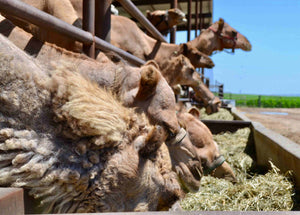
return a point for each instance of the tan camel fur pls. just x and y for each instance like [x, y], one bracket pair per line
[74, 147]
[164, 20]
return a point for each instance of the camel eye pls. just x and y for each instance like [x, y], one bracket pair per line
[234, 34]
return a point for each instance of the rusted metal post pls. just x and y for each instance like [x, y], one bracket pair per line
[102, 19]
[88, 24]
[202, 74]
[174, 29]
[196, 18]
[136, 13]
[189, 20]
[201, 19]
[201, 26]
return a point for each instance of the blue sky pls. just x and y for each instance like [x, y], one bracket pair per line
[273, 65]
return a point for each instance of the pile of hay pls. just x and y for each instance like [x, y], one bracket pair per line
[270, 192]
[222, 114]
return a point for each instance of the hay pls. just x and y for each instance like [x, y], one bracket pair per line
[270, 192]
[222, 114]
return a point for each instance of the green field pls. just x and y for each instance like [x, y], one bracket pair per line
[264, 101]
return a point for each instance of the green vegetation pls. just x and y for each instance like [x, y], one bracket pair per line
[264, 101]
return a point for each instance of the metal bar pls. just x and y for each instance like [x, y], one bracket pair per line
[202, 15]
[136, 13]
[105, 46]
[196, 18]
[189, 20]
[88, 24]
[201, 19]
[102, 19]
[40, 18]
[152, 2]
[174, 4]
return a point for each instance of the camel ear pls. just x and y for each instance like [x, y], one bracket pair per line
[149, 79]
[221, 25]
[152, 62]
[195, 112]
[148, 13]
[184, 48]
[153, 141]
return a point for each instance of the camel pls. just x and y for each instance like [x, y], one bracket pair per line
[213, 162]
[74, 147]
[128, 83]
[164, 20]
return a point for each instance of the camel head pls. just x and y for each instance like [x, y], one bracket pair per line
[164, 20]
[206, 148]
[197, 58]
[228, 37]
[156, 98]
[186, 163]
[176, 16]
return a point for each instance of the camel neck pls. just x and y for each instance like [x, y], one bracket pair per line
[161, 50]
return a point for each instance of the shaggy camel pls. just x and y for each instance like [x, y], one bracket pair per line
[213, 162]
[74, 147]
[125, 82]
[164, 20]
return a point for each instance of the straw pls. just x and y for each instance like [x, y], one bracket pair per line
[272, 191]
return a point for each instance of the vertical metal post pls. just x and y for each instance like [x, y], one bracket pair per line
[189, 20]
[88, 24]
[201, 19]
[201, 27]
[196, 18]
[102, 19]
[173, 30]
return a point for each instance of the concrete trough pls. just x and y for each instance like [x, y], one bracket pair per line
[265, 145]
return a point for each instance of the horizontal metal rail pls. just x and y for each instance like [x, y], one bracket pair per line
[136, 13]
[35, 16]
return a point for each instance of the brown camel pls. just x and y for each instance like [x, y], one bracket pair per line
[164, 20]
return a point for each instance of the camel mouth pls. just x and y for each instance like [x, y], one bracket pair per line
[183, 19]
[248, 47]
[210, 66]
[189, 175]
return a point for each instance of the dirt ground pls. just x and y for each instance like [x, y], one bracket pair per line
[285, 121]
